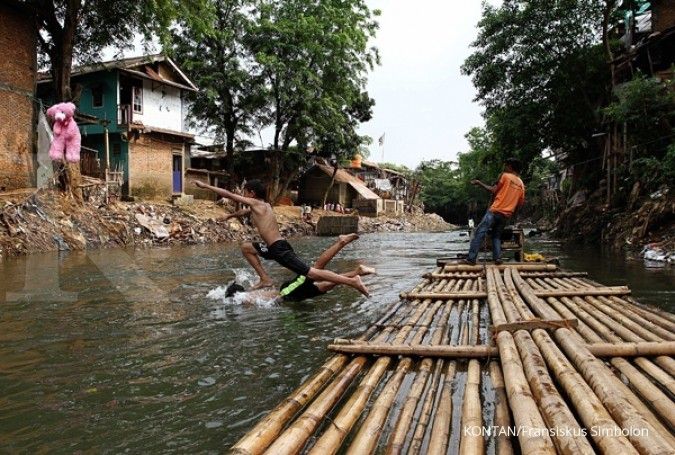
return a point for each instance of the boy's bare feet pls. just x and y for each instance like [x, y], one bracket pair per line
[365, 270]
[347, 238]
[359, 286]
[262, 284]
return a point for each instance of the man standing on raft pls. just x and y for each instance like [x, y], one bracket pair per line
[273, 245]
[509, 196]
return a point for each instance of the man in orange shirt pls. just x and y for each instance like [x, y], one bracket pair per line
[509, 196]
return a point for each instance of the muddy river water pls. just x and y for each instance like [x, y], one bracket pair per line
[114, 351]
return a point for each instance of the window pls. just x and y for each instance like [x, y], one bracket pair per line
[138, 99]
[97, 96]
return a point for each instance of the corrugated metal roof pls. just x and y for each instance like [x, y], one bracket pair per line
[345, 177]
[135, 66]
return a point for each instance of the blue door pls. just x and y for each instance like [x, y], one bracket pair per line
[177, 173]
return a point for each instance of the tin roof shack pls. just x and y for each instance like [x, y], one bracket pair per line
[143, 102]
[648, 42]
[18, 67]
[348, 190]
[387, 183]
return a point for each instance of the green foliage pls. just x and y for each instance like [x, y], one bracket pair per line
[80, 30]
[540, 74]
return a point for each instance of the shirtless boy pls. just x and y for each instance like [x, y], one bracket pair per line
[302, 287]
[273, 245]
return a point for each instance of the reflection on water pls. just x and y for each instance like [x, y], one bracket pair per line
[122, 350]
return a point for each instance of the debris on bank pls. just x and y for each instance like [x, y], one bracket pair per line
[47, 220]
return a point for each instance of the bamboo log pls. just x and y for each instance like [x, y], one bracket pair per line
[536, 324]
[622, 405]
[569, 439]
[525, 411]
[369, 433]
[638, 349]
[449, 267]
[628, 312]
[440, 431]
[663, 405]
[402, 428]
[502, 419]
[613, 290]
[427, 407]
[472, 442]
[417, 350]
[332, 438]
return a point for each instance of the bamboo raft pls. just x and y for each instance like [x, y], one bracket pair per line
[497, 359]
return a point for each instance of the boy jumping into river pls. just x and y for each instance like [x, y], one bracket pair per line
[273, 245]
[302, 287]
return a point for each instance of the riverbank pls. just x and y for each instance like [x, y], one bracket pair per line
[49, 221]
[639, 223]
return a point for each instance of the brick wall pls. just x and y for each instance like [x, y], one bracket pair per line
[663, 15]
[151, 167]
[18, 47]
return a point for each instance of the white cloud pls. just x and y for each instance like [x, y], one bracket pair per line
[423, 103]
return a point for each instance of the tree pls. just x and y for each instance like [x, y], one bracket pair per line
[80, 29]
[232, 94]
[541, 75]
[314, 57]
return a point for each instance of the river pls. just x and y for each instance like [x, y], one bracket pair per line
[135, 351]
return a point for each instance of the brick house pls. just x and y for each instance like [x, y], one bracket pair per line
[18, 66]
[143, 100]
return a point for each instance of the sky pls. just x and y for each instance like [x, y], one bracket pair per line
[424, 105]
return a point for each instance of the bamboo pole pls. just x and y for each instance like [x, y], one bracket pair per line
[603, 383]
[427, 407]
[600, 349]
[440, 430]
[368, 435]
[417, 350]
[262, 434]
[519, 265]
[397, 438]
[525, 411]
[629, 312]
[502, 419]
[330, 441]
[614, 290]
[472, 442]
[568, 437]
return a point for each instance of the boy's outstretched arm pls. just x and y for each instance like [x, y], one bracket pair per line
[228, 194]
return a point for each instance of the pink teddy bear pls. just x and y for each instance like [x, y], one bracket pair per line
[66, 133]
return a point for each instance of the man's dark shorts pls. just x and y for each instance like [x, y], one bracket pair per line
[299, 288]
[282, 252]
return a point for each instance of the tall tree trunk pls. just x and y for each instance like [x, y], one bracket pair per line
[61, 56]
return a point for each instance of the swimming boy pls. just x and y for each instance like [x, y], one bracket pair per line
[273, 245]
[302, 287]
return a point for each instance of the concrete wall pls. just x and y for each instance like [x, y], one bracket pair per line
[191, 177]
[162, 107]
[150, 168]
[18, 44]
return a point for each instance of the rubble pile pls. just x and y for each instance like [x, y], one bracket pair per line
[422, 222]
[644, 221]
[48, 220]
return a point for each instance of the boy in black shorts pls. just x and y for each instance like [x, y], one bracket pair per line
[274, 246]
[301, 287]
